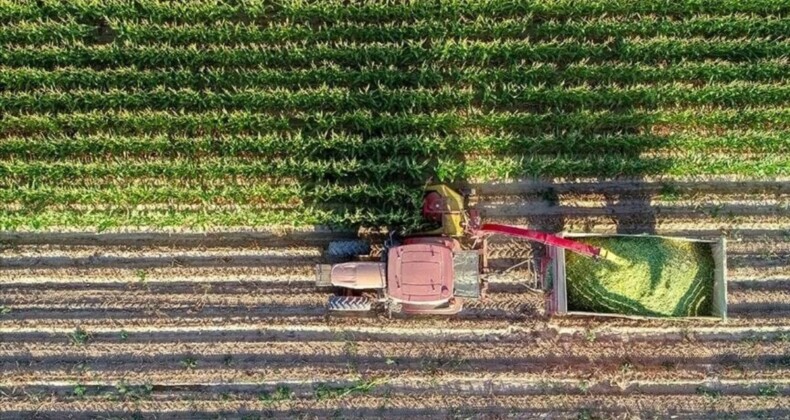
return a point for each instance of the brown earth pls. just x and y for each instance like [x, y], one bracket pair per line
[205, 325]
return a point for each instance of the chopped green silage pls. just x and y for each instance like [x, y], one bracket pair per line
[661, 277]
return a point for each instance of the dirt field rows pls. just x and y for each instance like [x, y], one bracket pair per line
[232, 326]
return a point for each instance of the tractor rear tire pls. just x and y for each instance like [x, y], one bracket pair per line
[344, 251]
[349, 303]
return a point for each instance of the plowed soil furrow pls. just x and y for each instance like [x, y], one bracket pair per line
[351, 369]
[216, 288]
[249, 299]
[760, 297]
[410, 329]
[623, 207]
[771, 284]
[766, 246]
[757, 261]
[68, 304]
[95, 319]
[144, 261]
[212, 316]
[451, 384]
[759, 274]
[528, 351]
[233, 237]
[94, 252]
[438, 407]
[72, 275]
[133, 298]
[675, 225]
[643, 185]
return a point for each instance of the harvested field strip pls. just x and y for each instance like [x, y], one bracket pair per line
[153, 299]
[640, 353]
[685, 185]
[81, 255]
[767, 247]
[435, 406]
[760, 261]
[296, 275]
[138, 371]
[650, 198]
[625, 330]
[614, 73]
[538, 335]
[624, 205]
[139, 201]
[217, 287]
[693, 225]
[162, 258]
[205, 301]
[206, 305]
[454, 385]
[764, 285]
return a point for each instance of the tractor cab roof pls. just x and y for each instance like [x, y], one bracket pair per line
[420, 273]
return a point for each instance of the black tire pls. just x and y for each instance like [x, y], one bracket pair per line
[349, 303]
[344, 251]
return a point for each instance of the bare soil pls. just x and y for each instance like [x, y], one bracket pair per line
[209, 324]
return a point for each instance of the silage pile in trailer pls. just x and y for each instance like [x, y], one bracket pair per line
[660, 277]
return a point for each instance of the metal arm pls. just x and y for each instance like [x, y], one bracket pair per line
[542, 237]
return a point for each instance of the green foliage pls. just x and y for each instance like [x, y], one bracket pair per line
[142, 275]
[128, 392]
[330, 392]
[79, 390]
[713, 394]
[768, 391]
[207, 114]
[189, 362]
[79, 337]
[280, 393]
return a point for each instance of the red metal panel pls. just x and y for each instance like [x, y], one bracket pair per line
[542, 237]
[420, 273]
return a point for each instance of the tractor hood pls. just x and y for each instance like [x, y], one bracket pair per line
[358, 275]
[420, 273]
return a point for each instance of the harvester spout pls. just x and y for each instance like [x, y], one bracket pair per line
[542, 237]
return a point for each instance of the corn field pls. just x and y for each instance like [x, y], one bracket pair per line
[335, 114]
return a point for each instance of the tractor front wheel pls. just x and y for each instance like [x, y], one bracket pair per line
[345, 251]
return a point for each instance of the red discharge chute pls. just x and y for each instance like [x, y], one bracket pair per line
[542, 237]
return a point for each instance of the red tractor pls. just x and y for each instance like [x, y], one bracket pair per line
[428, 273]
